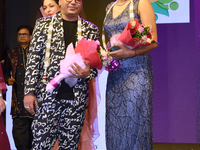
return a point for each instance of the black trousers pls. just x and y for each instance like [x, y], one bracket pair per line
[69, 114]
[22, 133]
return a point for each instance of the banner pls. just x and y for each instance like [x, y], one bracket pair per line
[171, 11]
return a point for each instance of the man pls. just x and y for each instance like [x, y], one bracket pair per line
[15, 62]
[65, 105]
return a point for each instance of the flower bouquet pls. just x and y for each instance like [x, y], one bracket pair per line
[134, 35]
[107, 61]
[85, 50]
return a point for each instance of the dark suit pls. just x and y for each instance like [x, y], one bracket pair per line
[22, 119]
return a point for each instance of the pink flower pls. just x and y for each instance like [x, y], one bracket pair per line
[141, 28]
[144, 37]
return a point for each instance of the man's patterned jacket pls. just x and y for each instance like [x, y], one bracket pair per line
[36, 56]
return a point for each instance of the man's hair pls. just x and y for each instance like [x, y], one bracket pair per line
[57, 1]
[29, 28]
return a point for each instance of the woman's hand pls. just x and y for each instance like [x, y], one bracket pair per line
[2, 105]
[122, 53]
[125, 52]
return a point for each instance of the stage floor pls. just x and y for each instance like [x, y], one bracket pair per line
[175, 146]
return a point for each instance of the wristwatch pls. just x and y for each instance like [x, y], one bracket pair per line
[1, 95]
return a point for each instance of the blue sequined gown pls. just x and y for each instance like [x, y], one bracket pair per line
[128, 95]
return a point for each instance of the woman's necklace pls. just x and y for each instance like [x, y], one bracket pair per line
[121, 4]
[131, 13]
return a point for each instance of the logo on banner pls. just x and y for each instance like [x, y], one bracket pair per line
[171, 11]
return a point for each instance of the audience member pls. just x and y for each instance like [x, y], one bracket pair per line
[15, 62]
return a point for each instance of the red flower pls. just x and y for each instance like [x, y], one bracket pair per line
[88, 51]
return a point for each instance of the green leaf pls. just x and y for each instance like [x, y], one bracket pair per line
[137, 35]
[146, 29]
[159, 10]
[165, 1]
[161, 5]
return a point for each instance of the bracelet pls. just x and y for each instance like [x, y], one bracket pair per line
[135, 53]
[1, 95]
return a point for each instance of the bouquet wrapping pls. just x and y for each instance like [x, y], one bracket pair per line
[85, 50]
[134, 35]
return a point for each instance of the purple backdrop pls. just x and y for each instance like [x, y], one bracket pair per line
[176, 73]
[197, 71]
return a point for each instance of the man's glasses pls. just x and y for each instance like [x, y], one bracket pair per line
[22, 34]
[77, 1]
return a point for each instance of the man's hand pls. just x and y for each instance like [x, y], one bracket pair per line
[30, 102]
[80, 72]
[11, 81]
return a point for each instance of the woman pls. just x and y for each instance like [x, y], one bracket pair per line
[129, 89]
[50, 7]
[4, 142]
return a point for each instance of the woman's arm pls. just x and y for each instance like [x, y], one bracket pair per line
[2, 91]
[147, 17]
[3, 87]
[2, 103]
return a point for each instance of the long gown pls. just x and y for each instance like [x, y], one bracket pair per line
[128, 95]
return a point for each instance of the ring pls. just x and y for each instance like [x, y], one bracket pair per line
[26, 107]
[76, 75]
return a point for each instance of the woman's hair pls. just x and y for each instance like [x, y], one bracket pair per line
[57, 1]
